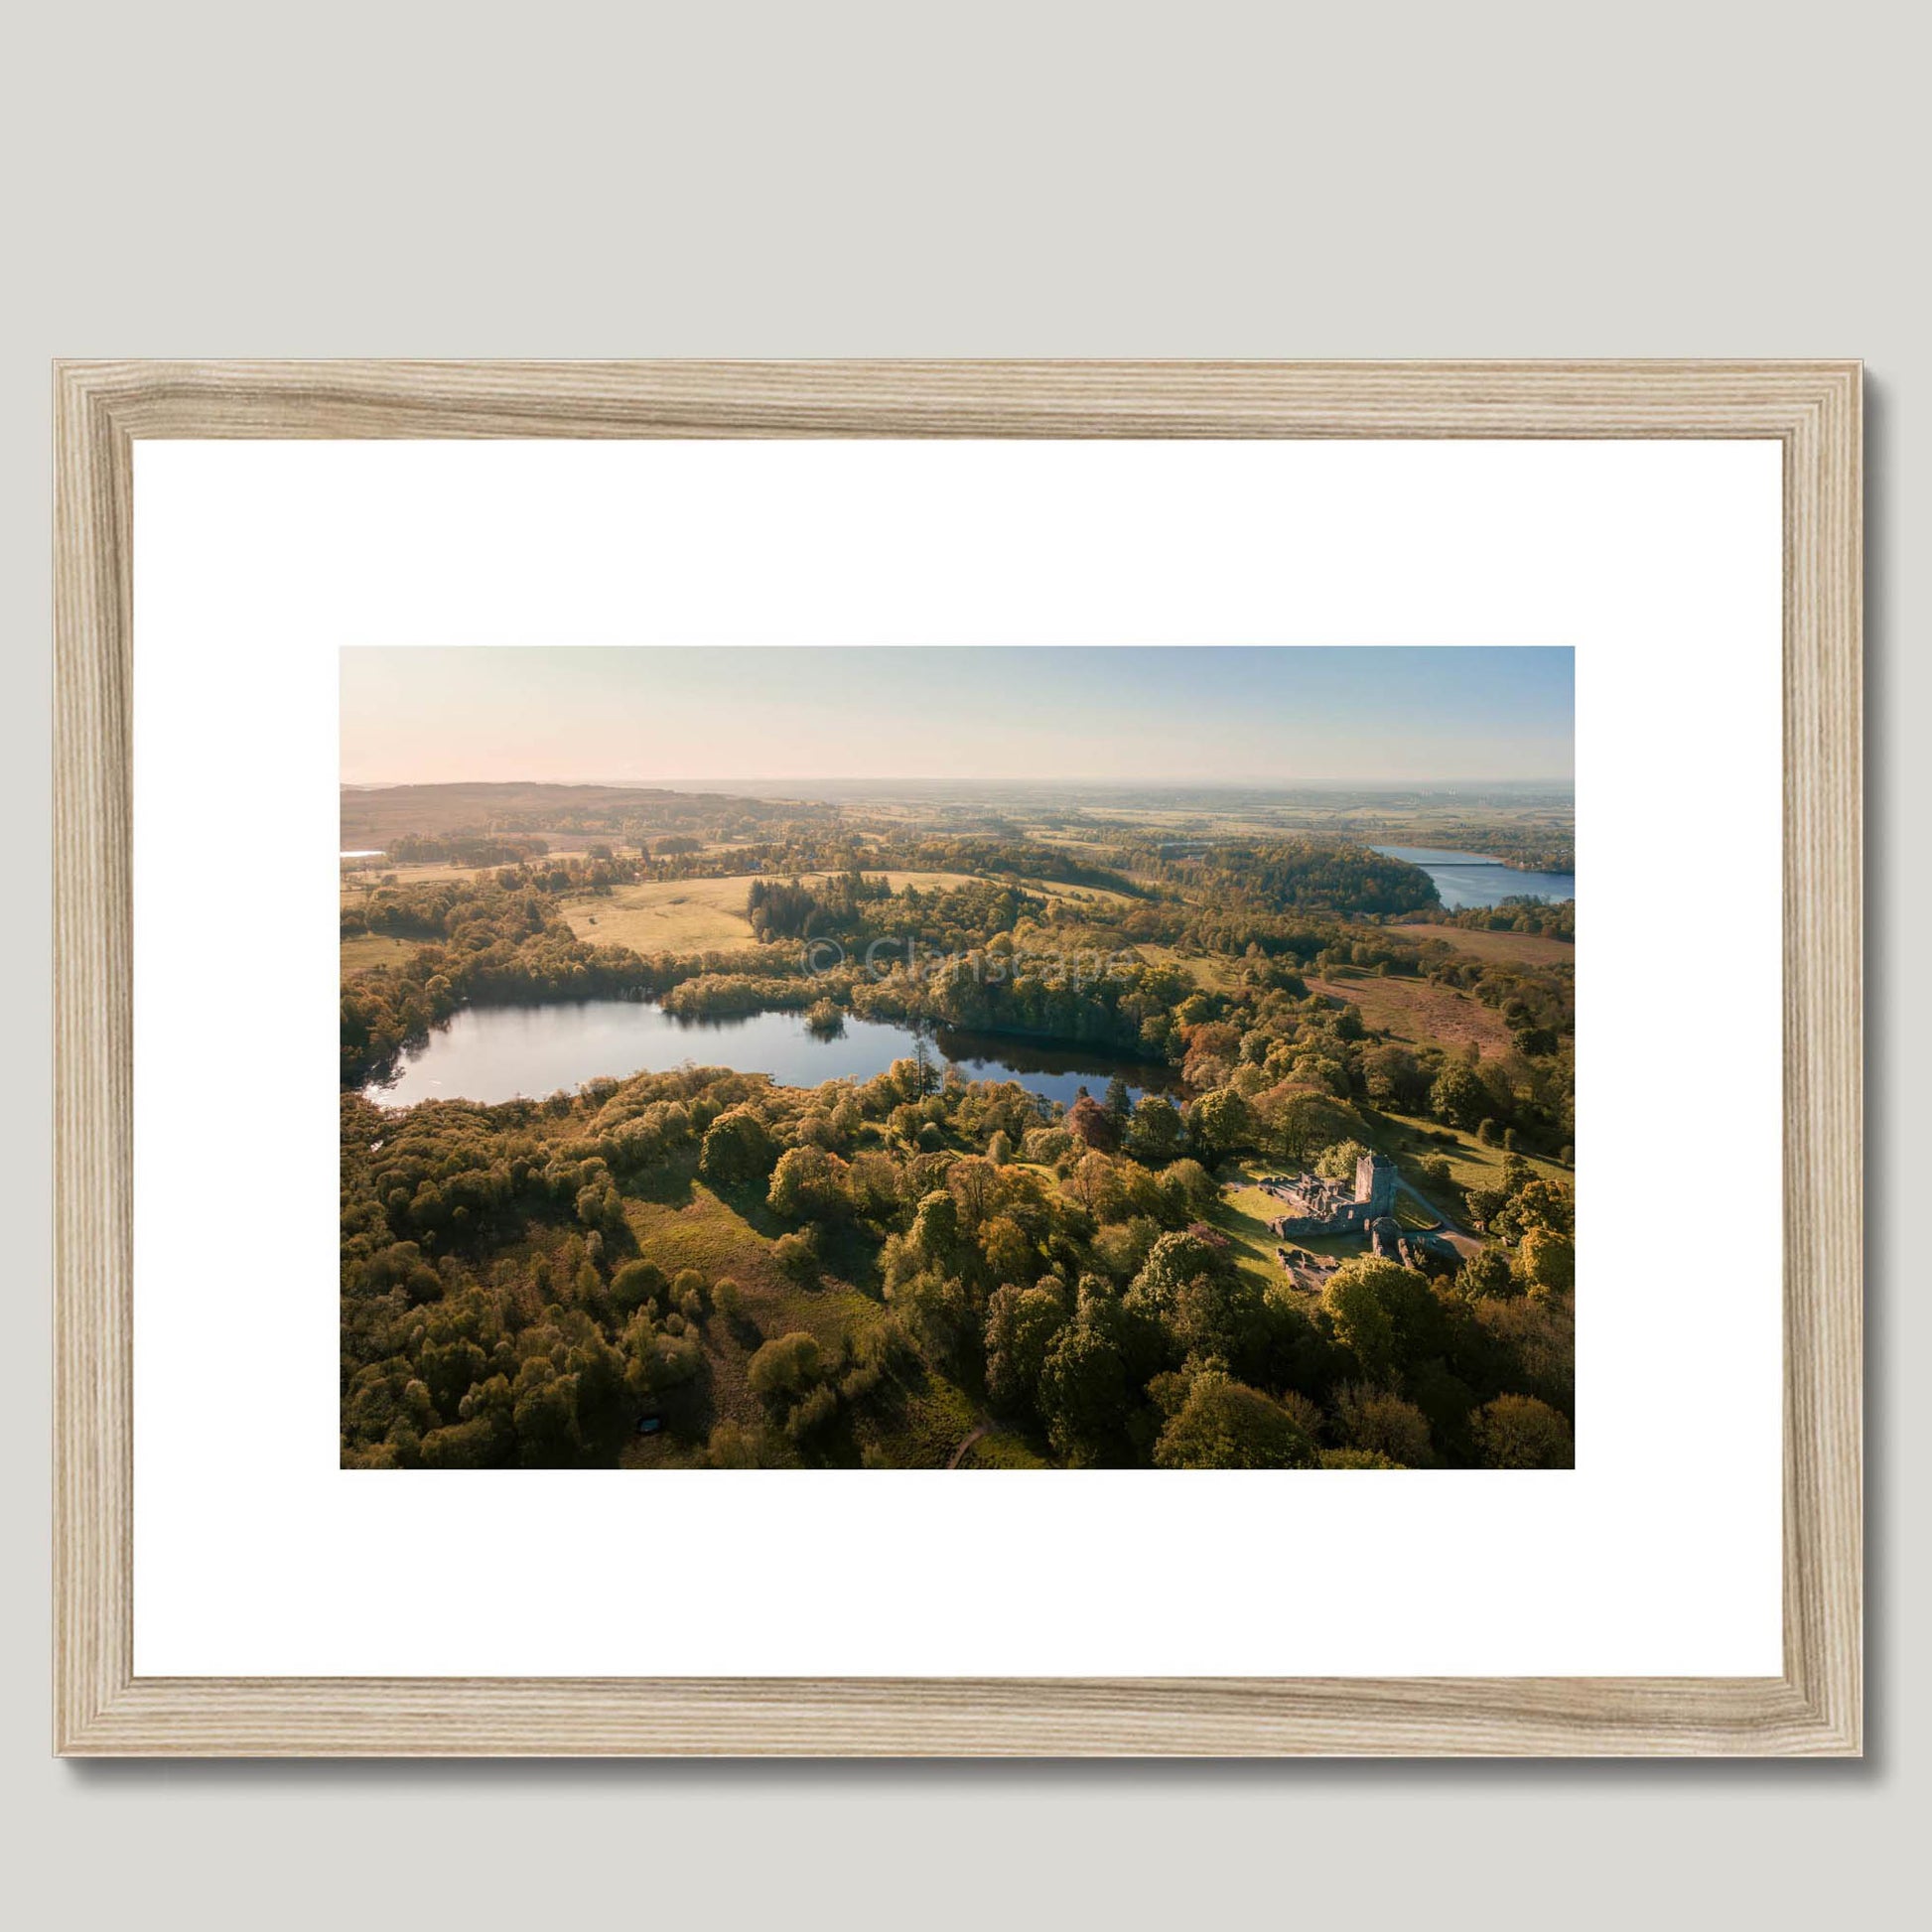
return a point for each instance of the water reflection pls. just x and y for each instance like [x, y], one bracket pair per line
[492, 1053]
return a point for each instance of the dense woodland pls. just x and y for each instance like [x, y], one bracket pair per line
[854, 1273]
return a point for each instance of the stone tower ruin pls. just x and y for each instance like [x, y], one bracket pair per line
[1375, 1184]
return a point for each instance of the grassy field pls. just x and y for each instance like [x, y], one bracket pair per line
[1214, 972]
[1530, 948]
[357, 883]
[1470, 1162]
[664, 916]
[1418, 1013]
[686, 914]
[366, 949]
[699, 914]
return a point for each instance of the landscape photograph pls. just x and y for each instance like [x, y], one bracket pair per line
[957, 1059]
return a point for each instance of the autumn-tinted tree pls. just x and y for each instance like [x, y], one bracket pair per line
[1088, 1121]
[808, 1185]
[1547, 1262]
[1517, 1432]
[1373, 1418]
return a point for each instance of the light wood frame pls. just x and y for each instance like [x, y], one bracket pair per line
[102, 1708]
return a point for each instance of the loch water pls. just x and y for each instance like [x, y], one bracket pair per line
[1469, 879]
[501, 1053]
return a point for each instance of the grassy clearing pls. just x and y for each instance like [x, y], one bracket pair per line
[1530, 948]
[1001, 1448]
[1470, 1162]
[1418, 1013]
[366, 949]
[664, 916]
[924, 1429]
[696, 1228]
[699, 914]
[1047, 889]
[1212, 972]
[718, 1239]
[357, 883]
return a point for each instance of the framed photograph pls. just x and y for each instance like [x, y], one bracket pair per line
[905, 1059]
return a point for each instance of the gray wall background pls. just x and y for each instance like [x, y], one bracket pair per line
[997, 180]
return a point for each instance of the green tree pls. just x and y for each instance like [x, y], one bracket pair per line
[1459, 1097]
[1083, 1392]
[1486, 1274]
[738, 1149]
[1356, 1458]
[1190, 1188]
[784, 1368]
[1386, 1316]
[1221, 1121]
[636, 1283]
[796, 1256]
[1156, 1134]
[1206, 1305]
[1337, 1163]
[935, 1229]
[812, 1412]
[1226, 1425]
[1021, 1326]
[1009, 1252]
[808, 1185]
[1373, 1418]
[1547, 1262]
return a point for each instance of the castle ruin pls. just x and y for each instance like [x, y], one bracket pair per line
[1316, 1206]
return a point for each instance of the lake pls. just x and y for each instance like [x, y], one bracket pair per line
[1469, 879]
[492, 1053]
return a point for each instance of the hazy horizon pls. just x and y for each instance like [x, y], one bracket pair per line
[1155, 716]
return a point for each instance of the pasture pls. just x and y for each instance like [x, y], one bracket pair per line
[707, 914]
[362, 950]
[1526, 948]
[1418, 1013]
[1470, 1162]
[664, 916]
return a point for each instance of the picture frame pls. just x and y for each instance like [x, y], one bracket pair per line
[103, 1709]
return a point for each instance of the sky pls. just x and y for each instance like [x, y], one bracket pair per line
[651, 715]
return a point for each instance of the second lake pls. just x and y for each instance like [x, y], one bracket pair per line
[1469, 879]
